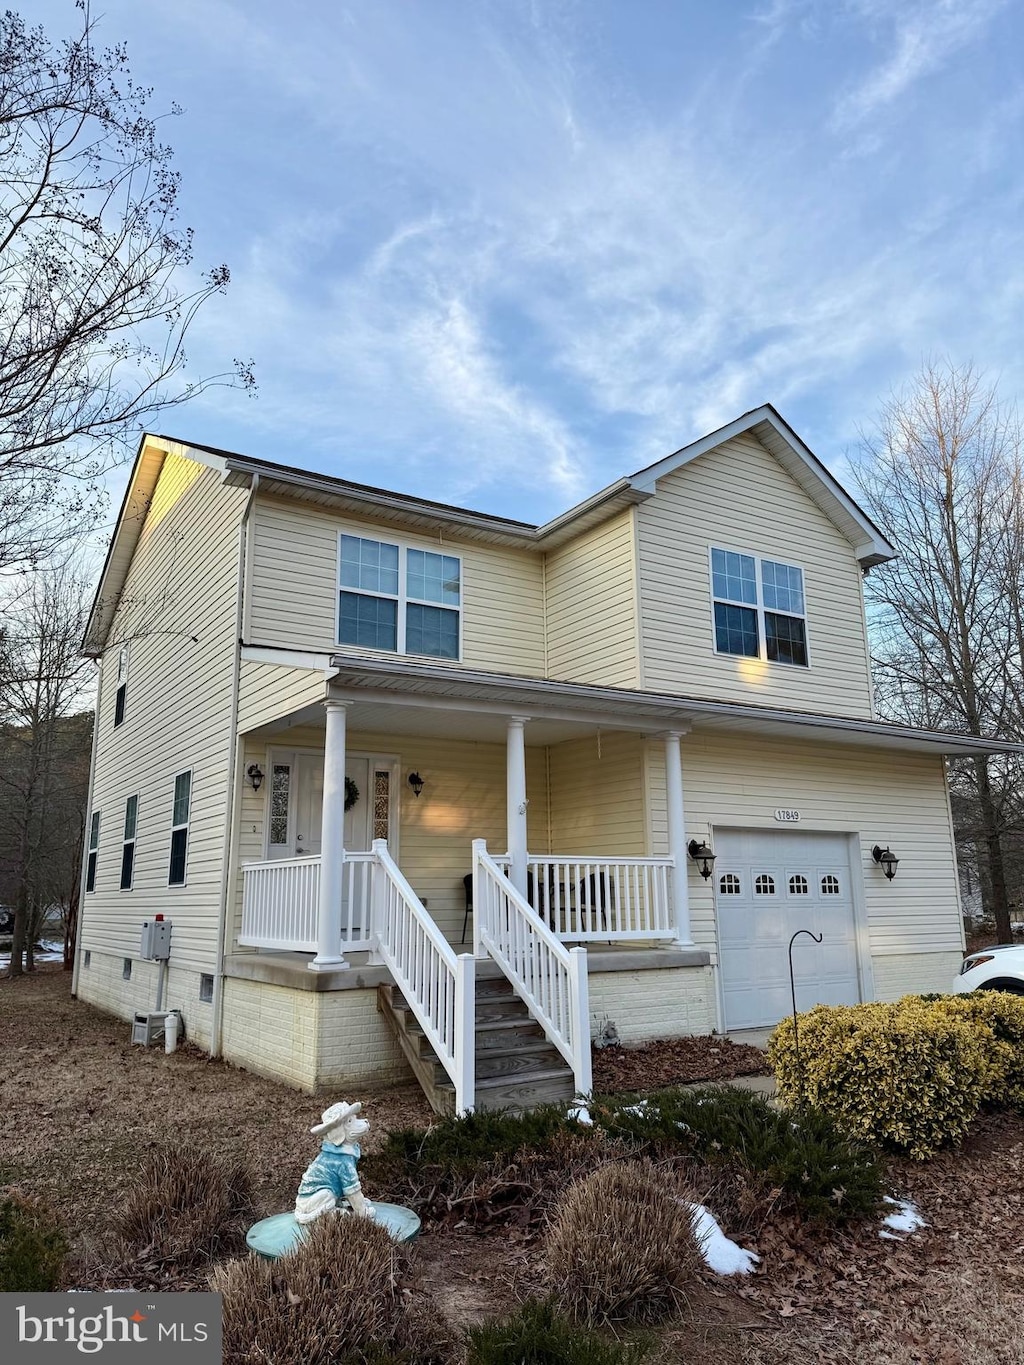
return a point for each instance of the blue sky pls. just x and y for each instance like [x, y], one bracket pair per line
[499, 253]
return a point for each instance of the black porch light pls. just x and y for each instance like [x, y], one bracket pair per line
[416, 782]
[886, 859]
[703, 856]
[255, 775]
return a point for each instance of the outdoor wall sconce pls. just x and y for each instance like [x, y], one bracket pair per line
[416, 782]
[703, 856]
[255, 775]
[886, 859]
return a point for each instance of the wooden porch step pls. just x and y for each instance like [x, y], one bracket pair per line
[516, 1066]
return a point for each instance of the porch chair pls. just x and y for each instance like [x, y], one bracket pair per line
[467, 883]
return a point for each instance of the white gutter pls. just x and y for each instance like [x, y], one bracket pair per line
[235, 749]
[80, 926]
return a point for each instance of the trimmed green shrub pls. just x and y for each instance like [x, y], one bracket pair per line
[909, 1077]
[464, 1141]
[621, 1245]
[536, 1334]
[32, 1246]
[825, 1174]
[1001, 1016]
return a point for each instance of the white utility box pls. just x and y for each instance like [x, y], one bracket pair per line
[156, 940]
[149, 1028]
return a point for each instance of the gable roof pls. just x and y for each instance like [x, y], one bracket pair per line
[416, 513]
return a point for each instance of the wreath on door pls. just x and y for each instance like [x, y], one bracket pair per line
[351, 793]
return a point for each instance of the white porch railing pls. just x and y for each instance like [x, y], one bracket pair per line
[550, 978]
[603, 899]
[439, 987]
[279, 903]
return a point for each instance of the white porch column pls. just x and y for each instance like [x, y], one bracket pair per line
[677, 835]
[516, 803]
[329, 956]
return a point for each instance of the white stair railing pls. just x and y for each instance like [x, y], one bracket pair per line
[439, 987]
[548, 977]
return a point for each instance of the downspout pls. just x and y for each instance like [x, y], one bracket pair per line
[234, 759]
[80, 928]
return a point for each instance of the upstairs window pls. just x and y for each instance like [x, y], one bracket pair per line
[94, 848]
[122, 686]
[131, 818]
[180, 814]
[398, 599]
[759, 608]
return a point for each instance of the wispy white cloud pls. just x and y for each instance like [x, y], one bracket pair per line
[920, 37]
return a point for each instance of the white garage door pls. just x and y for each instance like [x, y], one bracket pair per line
[768, 885]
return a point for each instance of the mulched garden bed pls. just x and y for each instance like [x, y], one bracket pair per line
[675, 1061]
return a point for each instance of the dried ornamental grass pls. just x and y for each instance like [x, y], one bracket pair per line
[187, 1208]
[904, 1076]
[335, 1297]
[621, 1245]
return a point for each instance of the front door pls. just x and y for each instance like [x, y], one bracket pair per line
[296, 802]
[309, 805]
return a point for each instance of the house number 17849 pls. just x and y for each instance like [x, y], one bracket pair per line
[788, 817]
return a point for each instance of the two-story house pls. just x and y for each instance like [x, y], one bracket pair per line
[423, 786]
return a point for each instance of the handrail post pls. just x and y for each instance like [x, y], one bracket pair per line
[465, 1033]
[479, 909]
[378, 887]
[580, 1004]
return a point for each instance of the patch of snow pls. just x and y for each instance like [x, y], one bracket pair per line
[581, 1114]
[639, 1109]
[905, 1218]
[720, 1252]
[45, 952]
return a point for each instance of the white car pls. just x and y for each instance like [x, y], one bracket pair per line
[999, 968]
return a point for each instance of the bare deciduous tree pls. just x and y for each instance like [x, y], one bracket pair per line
[942, 477]
[93, 309]
[44, 755]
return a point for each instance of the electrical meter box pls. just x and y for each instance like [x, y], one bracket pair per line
[156, 940]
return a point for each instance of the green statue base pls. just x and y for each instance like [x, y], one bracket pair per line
[276, 1236]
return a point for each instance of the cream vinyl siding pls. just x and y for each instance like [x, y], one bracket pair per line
[597, 796]
[463, 799]
[737, 497]
[178, 717]
[294, 590]
[882, 796]
[267, 692]
[592, 607]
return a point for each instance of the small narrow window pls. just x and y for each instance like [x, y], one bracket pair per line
[729, 884]
[206, 987]
[381, 804]
[94, 846]
[179, 828]
[131, 816]
[830, 886]
[87, 960]
[126, 969]
[280, 789]
[798, 885]
[122, 686]
[764, 885]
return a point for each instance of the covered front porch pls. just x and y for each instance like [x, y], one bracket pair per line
[429, 836]
[562, 805]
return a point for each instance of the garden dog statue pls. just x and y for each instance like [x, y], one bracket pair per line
[331, 1182]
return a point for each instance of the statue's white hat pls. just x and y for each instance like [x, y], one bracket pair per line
[334, 1117]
